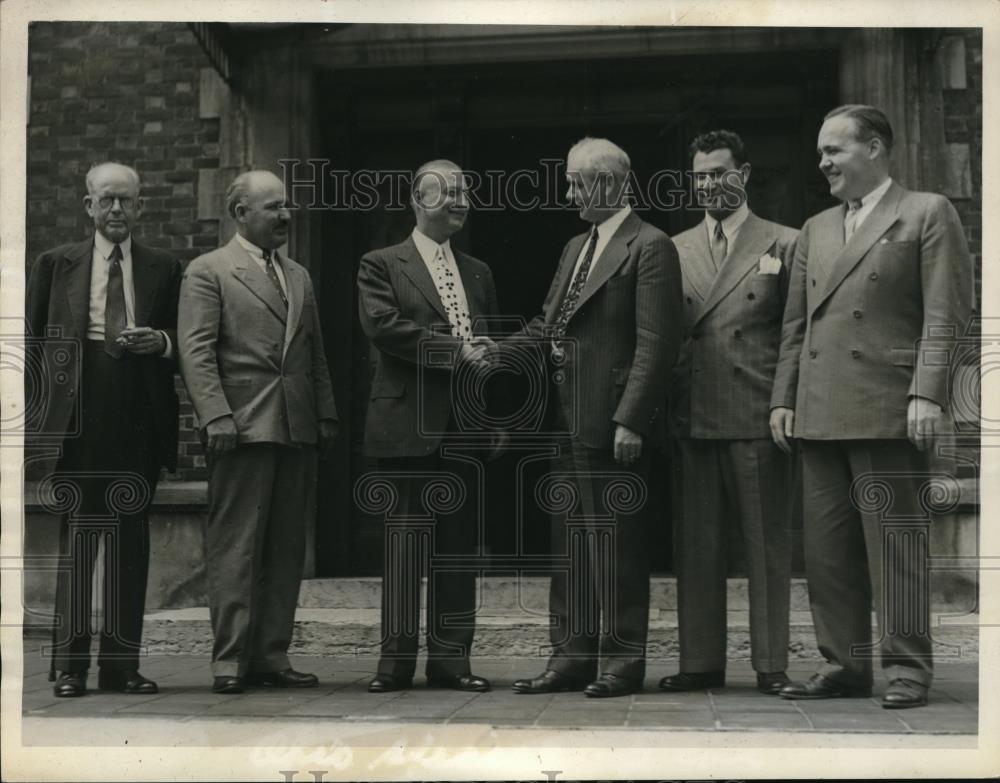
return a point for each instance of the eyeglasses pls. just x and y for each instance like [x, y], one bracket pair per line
[106, 202]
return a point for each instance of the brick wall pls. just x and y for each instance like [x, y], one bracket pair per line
[126, 92]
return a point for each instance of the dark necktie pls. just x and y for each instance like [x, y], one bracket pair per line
[114, 306]
[575, 289]
[273, 276]
[720, 246]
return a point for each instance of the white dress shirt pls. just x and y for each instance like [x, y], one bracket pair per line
[605, 231]
[257, 254]
[731, 224]
[868, 203]
[440, 262]
[100, 268]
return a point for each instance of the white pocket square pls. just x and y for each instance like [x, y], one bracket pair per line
[768, 265]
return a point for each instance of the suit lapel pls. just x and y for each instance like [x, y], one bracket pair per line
[885, 213]
[76, 283]
[144, 283]
[416, 270]
[471, 283]
[254, 278]
[615, 254]
[295, 284]
[751, 243]
[698, 262]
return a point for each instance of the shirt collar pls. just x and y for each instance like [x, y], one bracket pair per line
[876, 195]
[105, 246]
[427, 247]
[731, 224]
[607, 228]
[252, 249]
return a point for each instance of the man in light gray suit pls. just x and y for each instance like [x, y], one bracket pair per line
[735, 268]
[252, 358]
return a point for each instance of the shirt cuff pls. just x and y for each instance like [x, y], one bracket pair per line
[168, 353]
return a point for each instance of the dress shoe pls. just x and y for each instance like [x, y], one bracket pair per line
[125, 681]
[70, 684]
[287, 678]
[227, 685]
[693, 681]
[612, 685]
[461, 682]
[771, 683]
[903, 694]
[549, 681]
[384, 683]
[820, 687]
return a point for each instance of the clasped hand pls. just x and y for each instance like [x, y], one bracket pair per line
[480, 351]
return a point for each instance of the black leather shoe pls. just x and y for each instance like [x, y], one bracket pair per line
[820, 687]
[125, 681]
[289, 678]
[903, 694]
[462, 682]
[70, 684]
[384, 683]
[227, 685]
[771, 683]
[693, 681]
[549, 681]
[612, 685]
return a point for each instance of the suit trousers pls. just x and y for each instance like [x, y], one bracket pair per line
[110, 470]
[436, 521]
[599, 595]
[259, 498]
[866, 540]
[751, 482]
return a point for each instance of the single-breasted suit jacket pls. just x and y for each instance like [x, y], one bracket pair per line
[412, 394]
[721, 385]
[57, 298]
[243, 354]
[852, 352]
[623, 335]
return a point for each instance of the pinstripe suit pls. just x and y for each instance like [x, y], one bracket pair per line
[725, 461]
[623, 337]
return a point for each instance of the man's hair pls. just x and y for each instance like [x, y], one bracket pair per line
[239, 189]
[603, 156]
[93, 170]
[431, 165]
[869, 122]
[720, 140]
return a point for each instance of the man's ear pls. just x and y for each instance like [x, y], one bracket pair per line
[745, 169]
[88, 204]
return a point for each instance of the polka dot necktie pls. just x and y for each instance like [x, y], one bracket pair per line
[452, 293]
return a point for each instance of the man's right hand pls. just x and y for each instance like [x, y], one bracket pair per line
[782, 427]
[478, 351]
[221, 436]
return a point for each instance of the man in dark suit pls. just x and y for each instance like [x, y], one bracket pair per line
[735, 268]
[252, 358]
[424, 304]
[613, 318]
[114, 414]
[864, 385]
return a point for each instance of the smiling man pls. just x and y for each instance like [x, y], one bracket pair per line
[424, 305]
[252, 357]
[115, 300]
[613, 318]
[865, 392]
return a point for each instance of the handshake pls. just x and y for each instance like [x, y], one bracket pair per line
[480, 352]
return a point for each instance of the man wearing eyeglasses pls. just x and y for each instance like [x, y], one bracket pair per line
[110, 304]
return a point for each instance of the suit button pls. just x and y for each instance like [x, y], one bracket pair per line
[751, 296]
[873, 276]
[856, 354]
[71, 392]
[857, 313]
[814, 282]
[813, 353]
[737, 334]
[737, 370]
[689, 300]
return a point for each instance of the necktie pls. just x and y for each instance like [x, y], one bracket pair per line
[273, 276]
[720, 246]
[851, 219]
[452, 296]
[114, 306]
[576, 287]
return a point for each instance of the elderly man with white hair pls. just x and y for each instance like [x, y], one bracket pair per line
[612, 326]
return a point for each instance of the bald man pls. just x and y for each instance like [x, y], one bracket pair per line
[252, 357]
[114, 300]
